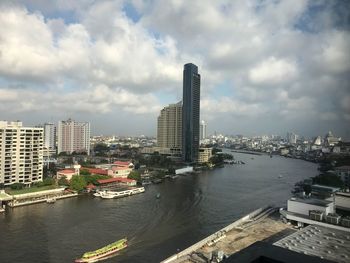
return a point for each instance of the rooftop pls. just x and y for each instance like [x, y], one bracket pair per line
[323, 242]
[115, 180]
[66, 171]
[311, 201]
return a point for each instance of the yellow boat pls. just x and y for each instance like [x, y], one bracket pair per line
[104, 252]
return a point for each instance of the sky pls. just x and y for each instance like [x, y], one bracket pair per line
[267, 67]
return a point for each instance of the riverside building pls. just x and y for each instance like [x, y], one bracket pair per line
[169, 128]
[21, 153]
[190, 113]
[73, 136]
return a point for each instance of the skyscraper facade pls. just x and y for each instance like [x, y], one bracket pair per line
[169, 128]
[190, 113]
[21, 153]
[73, 136]
[203, 130]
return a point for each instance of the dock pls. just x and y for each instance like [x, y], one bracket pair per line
[39, 197]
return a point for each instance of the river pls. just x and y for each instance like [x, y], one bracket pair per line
[189, 209]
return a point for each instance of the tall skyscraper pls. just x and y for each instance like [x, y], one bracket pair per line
[169, 129]
[190, 113]
[203, 130]
[21, 153]
[73, 136]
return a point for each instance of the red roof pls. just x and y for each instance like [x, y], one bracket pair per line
[121, 163]
[95, 170]
[115, 180]
[66, 171]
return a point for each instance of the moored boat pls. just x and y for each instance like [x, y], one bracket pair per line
[104, 252]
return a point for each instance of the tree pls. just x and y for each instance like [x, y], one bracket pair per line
[136, 175]
[17, 186]
[48, 181]
[63, 181]
[77, 183]
[84, 172]
[101, 147]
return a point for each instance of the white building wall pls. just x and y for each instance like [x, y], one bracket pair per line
[73, 136]
[21, 153]
[304, 208]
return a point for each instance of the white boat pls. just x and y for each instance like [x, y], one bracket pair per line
[107, 196]
[50, 200]
[116, 194]
[99, 193]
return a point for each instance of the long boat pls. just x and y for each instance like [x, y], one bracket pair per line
[104, 252]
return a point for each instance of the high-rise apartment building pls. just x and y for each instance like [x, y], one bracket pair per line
[49, 135]
[21, 153]
[73, 136]
[203, 130]
[190, 113]
[169, 129]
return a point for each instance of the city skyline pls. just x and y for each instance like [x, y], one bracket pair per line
[267, 67]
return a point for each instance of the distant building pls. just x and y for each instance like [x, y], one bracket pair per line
[169, 129]
[331, 140]
[73, 137]
[190, 113]
[292, 138]
[204, 155]
[49, 136]
[21, 153]
[203, 130]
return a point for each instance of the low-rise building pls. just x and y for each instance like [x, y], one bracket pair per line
[114, 182]
[344, 173]
[304, 206]
[68, 173]
[204, 155]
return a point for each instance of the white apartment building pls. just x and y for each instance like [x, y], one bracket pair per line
[49, 136]
[73, 136]
[21, 153]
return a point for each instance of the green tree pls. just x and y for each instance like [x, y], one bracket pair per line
[84, 172]
[17, 186]
[136, 175]
[77, 183]
[63, 181]
[48, 181]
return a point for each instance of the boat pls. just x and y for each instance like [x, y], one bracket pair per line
[158, 196]
[51, 200]
[157, 181]
[104, 252]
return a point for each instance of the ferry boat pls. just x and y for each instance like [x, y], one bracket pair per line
[104, 252]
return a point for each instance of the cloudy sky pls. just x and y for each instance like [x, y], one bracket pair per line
[267, 67]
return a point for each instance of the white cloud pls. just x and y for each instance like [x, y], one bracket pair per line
[273, 71]
[255, 58]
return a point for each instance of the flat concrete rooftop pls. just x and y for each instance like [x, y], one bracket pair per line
[323, 242]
